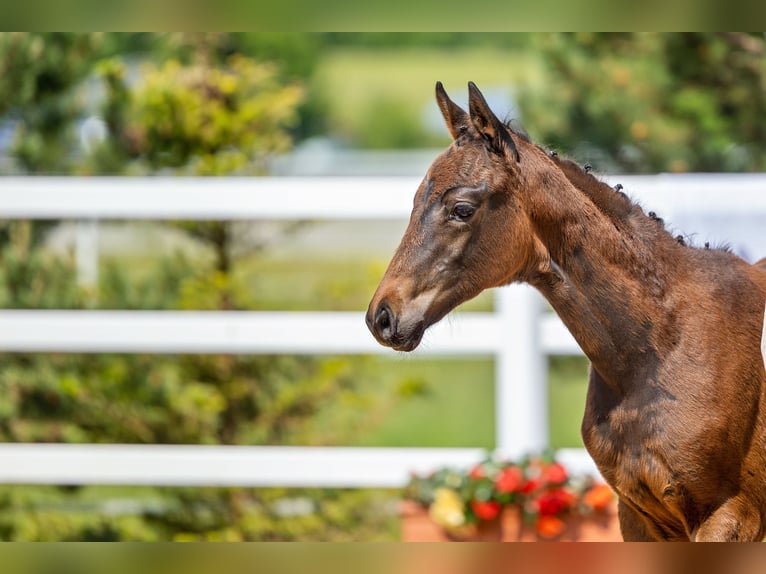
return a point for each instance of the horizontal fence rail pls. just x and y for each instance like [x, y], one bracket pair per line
[198, 198]
[520, 334]
[193, 465]
[243, 198]
[245, 332]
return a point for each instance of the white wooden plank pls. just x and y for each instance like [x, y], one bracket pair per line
[257, 466]
[192, 465]
[255, 332]
[731, 193]
[319, 197]
[226, 332]
[198, 198]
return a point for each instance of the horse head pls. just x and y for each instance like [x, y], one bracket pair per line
[467, 231]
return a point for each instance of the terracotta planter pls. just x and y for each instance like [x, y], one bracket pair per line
[417, 526]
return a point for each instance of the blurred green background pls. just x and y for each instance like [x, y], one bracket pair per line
[307, 104]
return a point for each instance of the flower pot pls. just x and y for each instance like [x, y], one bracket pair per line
[597, 527]
[417, 526]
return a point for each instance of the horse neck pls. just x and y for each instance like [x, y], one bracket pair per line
[604, 277]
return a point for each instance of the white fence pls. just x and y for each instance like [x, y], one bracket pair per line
[519, 334]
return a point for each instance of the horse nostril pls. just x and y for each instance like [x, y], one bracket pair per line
[383, 321]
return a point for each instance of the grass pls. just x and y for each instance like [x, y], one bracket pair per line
[442, 403]
[359, 80]
[454, 403]
[567, 384]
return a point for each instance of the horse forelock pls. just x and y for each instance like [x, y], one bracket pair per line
[515, 129]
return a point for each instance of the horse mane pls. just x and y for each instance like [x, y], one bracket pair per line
[611, 201]
[616, 205]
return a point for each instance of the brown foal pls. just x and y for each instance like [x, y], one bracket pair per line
[675, 417]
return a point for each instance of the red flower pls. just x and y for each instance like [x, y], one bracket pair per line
[485, 510]
[554, 474]
[555, 501]
[599, 497]
[477, 472]
[530, 486]
[549, 526]
[511, 479]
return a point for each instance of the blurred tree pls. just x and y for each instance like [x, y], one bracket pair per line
[202, 119]
[652, 102]
[198, 118]
[297, 56]
[38, 74]
[204, 113]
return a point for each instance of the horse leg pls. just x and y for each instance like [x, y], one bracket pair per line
[632, 525]
[738, 520]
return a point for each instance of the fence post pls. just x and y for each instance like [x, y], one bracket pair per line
[86, 252]
[521, 394]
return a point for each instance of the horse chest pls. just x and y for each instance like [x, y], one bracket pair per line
[633, 460]
[627, 453]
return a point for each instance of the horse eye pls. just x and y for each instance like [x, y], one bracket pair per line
[462, 211]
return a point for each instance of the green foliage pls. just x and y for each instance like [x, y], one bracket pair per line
[38, 74]
[391, 124]
[97, 513]
[26, 272]
[297, 56]
[449, 40]
[652, 102]
[148, 291]
[390, 87]
[202, 112]
[201, 119]
[209, 399]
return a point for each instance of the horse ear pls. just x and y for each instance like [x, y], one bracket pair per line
[486, 123]
[454, 116]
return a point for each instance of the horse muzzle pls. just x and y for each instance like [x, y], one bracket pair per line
[389, 330]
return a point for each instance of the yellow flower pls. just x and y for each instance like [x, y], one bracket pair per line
[447, 508]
